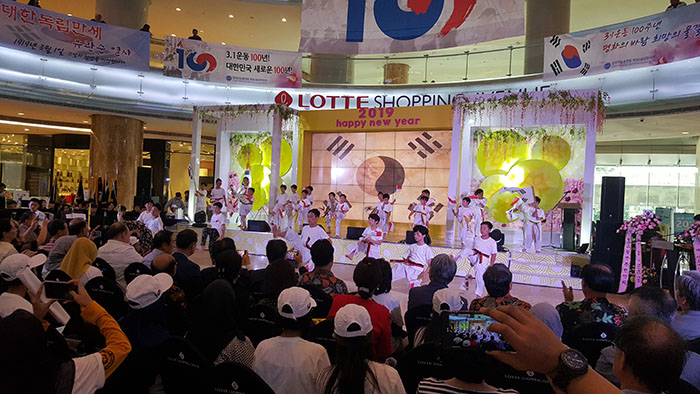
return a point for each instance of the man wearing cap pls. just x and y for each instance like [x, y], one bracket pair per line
[288, 363]
[118, 251]
[10, 269]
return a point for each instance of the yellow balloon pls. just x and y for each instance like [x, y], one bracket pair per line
[249, 154]
[285, 155]
[499, 204]
[257, 173]
[492, 184]
[544, 177]
[497, 153]
[261, 196]
[552, 149]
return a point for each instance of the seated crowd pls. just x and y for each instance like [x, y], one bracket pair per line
[145, 318]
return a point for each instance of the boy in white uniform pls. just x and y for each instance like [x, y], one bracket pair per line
[247, 199]
[280, 204]
[309, 235]
[310, 189]
[370, 240]
[478, 203]
[533, 216]
[340, 211]
[465, 217]
[201, 199]
[217, 229]
[218, 194]
[421, 212]
[417, 259]
[303, 207]
[330, 206]
[293, 209]
[384, 209]
[481, 256]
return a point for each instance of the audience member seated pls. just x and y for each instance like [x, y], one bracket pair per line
[499, 282]
[390, 301]
[322, 257]
[175, 301]
[153, 221]
[443, 300]
[174, 204]
[163, 243]
[28, 228]
[27, 364]
[77, 228]
[78, 261]
[221, 245]
[15, 296]
[8, 232]
[288, 363]
[56, 229]
[367, 276]
[442, 271]
[547, 314]
[118, 252]
[353, 372]
[187, 275]
[145, 212]
[145, 327]
[596, 281]
[279, 274]
[687, 321]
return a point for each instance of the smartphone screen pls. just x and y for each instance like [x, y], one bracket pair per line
[241, 252]
[59, 290]
[469, 329]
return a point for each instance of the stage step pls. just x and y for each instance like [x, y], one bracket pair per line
[540, 269]
[540, 258]
[546, 280]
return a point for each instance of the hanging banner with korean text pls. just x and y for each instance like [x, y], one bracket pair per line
[208, 61]
[390, 26]
[36, 30]
[658, 39]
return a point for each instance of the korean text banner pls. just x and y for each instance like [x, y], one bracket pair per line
[657, 39]
[34, 29]
[383, 26]
[208, 61]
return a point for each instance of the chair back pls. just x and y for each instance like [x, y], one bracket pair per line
[233, 378]
[590, 339]
[58, 275]
[506, 377]
[424, 361]
[208, 276]
[107, 270]
[694, 345]
[183, 368]
[135, 269]
[261, 324]
[324, 301]
[322, 333]
[109, 295]
[416, 318]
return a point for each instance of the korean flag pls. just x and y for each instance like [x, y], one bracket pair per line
[566, 56]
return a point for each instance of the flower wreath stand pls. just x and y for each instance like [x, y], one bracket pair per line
[634, 229]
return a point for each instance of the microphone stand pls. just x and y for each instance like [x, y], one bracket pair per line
[551, 222]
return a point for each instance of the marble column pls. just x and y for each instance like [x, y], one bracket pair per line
[116, 150]
[544, 18]
[127, 13]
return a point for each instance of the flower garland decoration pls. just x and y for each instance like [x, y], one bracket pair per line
[635, 227]
[692, 235]
[232, 200]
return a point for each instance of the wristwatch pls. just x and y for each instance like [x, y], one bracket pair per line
[572, 364]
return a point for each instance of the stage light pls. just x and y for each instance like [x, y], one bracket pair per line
[44, 126]
[178, 9]
[336, 172]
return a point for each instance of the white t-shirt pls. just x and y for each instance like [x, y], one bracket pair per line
[383, 210]
[89, 374]
[290, 365]
[201, 201]
[421, 214]
[144, 216]
[303, 243]
[218, 220]
[388, 380]
[486, 246]
[11, 302]
[376, 235]
[419, 254]
[311, 198]
[218, 195]
[532, 214]
[6, 249]
[464, 214]
[282, 199]
[341, 209]
[154, 224]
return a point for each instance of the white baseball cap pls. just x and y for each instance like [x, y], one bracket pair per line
[352, 321]
[145, 289]
[295, 302]
[14, 264]
[447, 300]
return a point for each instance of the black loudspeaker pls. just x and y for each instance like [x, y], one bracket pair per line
[143, 181]
[260, 226]
[612, 199]
[354, 232]
[609, 246]
[409, 238]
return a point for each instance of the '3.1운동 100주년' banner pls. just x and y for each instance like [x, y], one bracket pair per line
[658, 39]
[212, 62]
[34, 29]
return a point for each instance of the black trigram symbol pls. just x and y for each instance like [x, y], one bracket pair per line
[555, 41]
[424, 145]
[556, 67]
[340, 147]
[586, 46]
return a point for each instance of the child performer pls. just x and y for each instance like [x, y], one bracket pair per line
[533, 216]
[293, 209]
[465, 217]
[481, 256]
[417, 259]
[370, 240]
[246, 206]
[310, 189]
[217, 229]
[479, 206]
[304, 206]
[329, 205]
[309, 235]
[340, 211]
[384, 208]
[431, 201]
[277, 215]
[421, 212]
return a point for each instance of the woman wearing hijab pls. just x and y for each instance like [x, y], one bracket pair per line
[78, 261]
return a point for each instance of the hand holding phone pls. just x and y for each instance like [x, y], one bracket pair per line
[469, 330]
[56, 290]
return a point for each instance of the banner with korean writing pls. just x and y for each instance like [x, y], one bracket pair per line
[658, 39]
[390, 26]
[34, 29]
[208, 61]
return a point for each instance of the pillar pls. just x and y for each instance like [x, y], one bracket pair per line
[331, 69]
[116, 149]
[396, 73]
[157, 149]
[543, 18]
[127, 13]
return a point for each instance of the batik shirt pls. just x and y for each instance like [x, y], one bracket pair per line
[595, 310]
[330, 284]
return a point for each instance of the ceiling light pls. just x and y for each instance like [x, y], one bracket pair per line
[230, 15]
[284, 19]
[178, 9]
[145, 127]
[44, 126]
[173, 35]
[685, 133]
[69, 14]
[20, 113]
[85, 121]
[26, 129]
[223, 43]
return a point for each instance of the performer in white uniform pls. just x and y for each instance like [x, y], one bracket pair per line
[341, 209]
[304, 207]
[370, 240]
[383, 210]
[277, 214]
[465, 219]
[293, 221]
[421, 212]
[246, 200]
[309, 235]
[482, 254]
[330, 206]
[416, 260]
[478, 204]
[533, 216]
[218, 194]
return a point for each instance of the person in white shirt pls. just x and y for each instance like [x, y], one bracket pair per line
[303, 207]
[145, 214]
[329, 209]
[533, 216]
[384, 208]
[8, 232]
[118, 252]
[288, 363]
[465, 215]
[246, 199]
[416, 260]
[153, 221]
[293, 222]
[218, 194]
[201, 199]
[478, 203]
[370, 240]
[277, 215]
[311, 194]
[481, 256]
[353, 372]
[217, 229]
[341, 209]
[421, 212]
[10, 268]
[309, 235]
